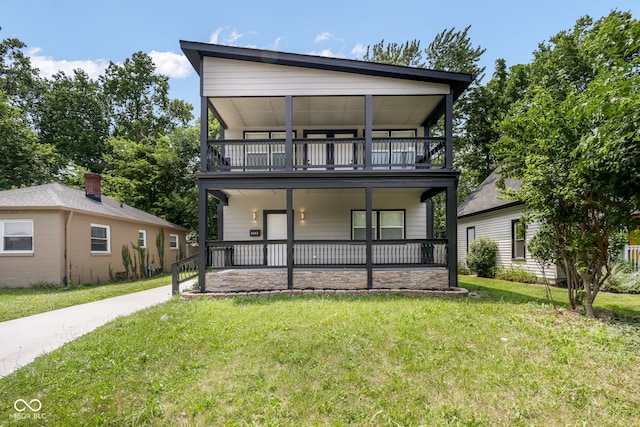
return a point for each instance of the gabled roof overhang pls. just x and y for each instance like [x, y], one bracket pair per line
[195, 51]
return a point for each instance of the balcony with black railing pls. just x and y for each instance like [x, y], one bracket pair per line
[427, 153]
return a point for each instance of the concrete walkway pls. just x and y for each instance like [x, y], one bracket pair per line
[24, 339]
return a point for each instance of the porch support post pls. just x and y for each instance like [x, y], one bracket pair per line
[204, 134]
[290, 238]
[368, 132]
[202, 236]
[430, 222]
[452, 233]
[288, 149]
[369, 224]
[448, 131]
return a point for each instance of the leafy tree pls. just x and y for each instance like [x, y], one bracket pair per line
[139, 100]
[24, 161]
[73, 117]
[408, 55]
[574, 142]
[18, 80]
[484, 111]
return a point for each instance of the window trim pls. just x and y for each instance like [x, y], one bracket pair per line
[144, 238]
[108, 238]
[515, 240]
[3, 250]
[376, 224]
[177, 246]
[474, 237]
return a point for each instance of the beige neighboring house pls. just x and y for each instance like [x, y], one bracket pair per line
[54, 234]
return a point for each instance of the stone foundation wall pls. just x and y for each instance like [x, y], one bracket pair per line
[271, 280]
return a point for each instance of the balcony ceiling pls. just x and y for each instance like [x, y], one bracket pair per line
[330, 111]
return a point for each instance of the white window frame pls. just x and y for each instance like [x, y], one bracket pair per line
[381, 226]
[518, 242]
[142, 236]
[3, 234]
[177, 242]
[108, 238]
[376, 223]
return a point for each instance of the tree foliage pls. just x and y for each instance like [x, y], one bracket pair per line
[139, 100]
[407, 54]
[574, 142]
[73, 117]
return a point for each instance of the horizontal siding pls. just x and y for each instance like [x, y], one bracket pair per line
[327, 215]
[225, 77]
[497, 225]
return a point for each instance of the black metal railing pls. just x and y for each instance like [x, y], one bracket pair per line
[323, 253]
[183, 270]
[326, 154]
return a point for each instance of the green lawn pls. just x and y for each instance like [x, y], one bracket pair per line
[15, 303]
[503, 357]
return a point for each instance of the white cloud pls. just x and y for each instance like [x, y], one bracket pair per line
[171, 64]
[358, 50]
[325, 36]
[167, 63]
[49, 66]
[215, 35]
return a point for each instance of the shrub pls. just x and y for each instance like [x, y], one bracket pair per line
[623, 279]
[482, 256]
[517, 274]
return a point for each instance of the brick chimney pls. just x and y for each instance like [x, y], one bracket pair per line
[92, 186]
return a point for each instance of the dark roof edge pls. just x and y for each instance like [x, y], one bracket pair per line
[495, 208]
[194, 51]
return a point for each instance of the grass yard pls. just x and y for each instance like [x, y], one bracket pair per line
[504, 358]
[15, 303]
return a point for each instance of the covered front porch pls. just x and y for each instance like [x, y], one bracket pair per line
[377, 237]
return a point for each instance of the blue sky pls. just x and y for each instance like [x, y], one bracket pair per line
[68, 34]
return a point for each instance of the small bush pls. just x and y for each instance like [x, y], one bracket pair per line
[482, 257]
[623, 279]
[517, 274]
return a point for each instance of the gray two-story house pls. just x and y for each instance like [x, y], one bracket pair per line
[325, 170]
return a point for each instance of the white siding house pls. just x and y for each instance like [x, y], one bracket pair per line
[486, 212]
[324, 166]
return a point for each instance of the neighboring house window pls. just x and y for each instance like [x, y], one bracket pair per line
[173, 241]
[142, 238]
[471, 236]
[100, 238]
[17, 236]
[386, 225]
[518, 235]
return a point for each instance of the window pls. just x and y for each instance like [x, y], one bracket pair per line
[518, 235]
[17, 236]
[359, 225]
[173, 241]
[471, 236]
[385, 225]
[100, 238]
[391, 225]
[142, 238]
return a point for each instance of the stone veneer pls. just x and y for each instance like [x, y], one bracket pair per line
[276, 280]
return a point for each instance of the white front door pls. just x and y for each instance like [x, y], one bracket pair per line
[276, 230]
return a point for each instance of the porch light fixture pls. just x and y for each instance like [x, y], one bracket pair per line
[255, 216]
[302, 216]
